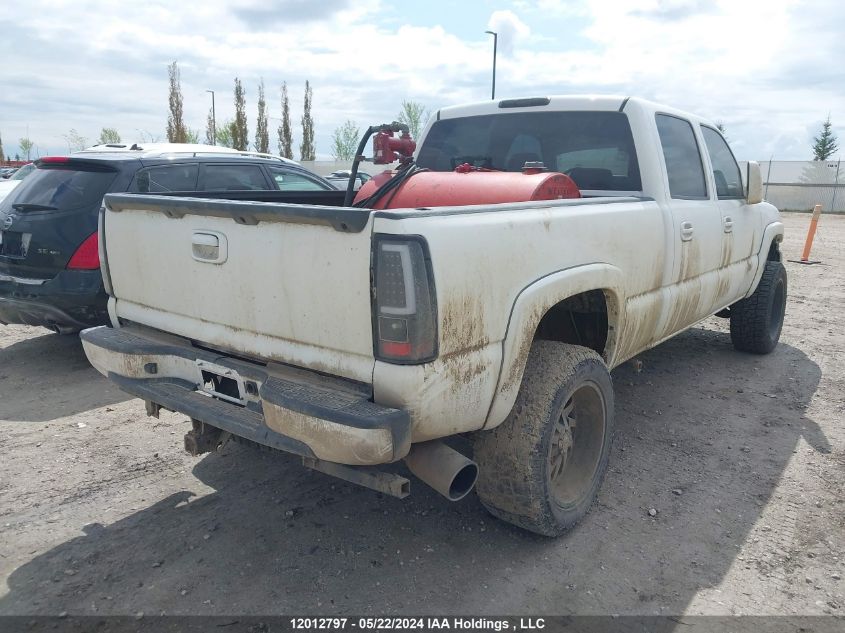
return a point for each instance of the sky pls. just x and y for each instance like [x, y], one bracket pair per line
[769, 70]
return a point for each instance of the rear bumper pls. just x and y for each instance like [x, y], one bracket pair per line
[285, 408]
[70, 301]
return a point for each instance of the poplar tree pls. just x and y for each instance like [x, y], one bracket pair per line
[262, 134]
[240, 133]
[285, 131]
[176, 131]
[306, 148]
[210, 132]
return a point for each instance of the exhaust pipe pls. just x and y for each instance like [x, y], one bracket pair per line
[447, 471]
[62, 329]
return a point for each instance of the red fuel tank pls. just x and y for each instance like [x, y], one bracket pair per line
[446, 189]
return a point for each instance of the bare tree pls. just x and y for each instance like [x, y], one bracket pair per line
[414, 115]
[75, 141]
[148, 137]
[307, 150]
[2, 155]
[345, 141]
[176, 131]
[285, 131]
[262, 133]
[108, 135]
[26, 146]
[240, 136]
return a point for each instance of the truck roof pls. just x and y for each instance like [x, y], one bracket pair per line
[606, 103]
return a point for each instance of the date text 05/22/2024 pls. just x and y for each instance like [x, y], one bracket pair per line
[420, 623]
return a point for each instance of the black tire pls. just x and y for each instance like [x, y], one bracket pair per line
[756, 322]
[564, 387]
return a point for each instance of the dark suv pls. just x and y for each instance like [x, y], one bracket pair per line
[49, 260]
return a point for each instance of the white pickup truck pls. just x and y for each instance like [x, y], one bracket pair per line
[356, 337]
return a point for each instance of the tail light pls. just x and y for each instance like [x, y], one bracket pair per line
[405, 308]
[86, 256]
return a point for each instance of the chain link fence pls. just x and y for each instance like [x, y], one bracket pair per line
[793, 185]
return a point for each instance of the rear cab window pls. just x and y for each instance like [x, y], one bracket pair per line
[596, 149]
[63, 186]
[726, 173]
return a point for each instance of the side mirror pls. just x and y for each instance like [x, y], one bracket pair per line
[754, 179]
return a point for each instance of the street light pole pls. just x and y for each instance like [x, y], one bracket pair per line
[213, 120]
[495, 44]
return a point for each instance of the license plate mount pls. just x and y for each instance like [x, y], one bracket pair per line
[221, 382]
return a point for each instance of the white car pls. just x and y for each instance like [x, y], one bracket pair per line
[6, 186]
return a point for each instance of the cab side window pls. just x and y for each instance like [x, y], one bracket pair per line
[726, 172]
[683, 159]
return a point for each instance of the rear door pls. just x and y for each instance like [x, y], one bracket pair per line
[697, 224]
[48, 216]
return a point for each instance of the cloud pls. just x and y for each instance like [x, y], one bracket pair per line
[261, 15]
[674, 10]
[510, 30]
[764, 67]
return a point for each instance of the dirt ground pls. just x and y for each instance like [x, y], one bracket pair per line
[742, 457]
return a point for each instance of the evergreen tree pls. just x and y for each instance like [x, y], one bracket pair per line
[240, 133]
[825, 145]
[176, 131]
[285, 131]
[306, 148]
[262, 133]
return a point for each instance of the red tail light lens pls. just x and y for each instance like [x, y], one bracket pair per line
[54, 159]
[86, 256]
[405, 308]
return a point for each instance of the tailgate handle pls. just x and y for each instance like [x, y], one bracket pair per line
[208, 247]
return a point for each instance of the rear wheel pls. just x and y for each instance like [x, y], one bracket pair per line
[756, 322]
[542, 467]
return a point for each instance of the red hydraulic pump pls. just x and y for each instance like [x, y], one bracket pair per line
[388, 149]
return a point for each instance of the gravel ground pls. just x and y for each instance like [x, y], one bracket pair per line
[742, 457]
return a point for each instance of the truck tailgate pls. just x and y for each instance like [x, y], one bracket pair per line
[288, 283]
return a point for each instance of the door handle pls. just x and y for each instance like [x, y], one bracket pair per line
[686, 231]
[729, 224]
[209, 247]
